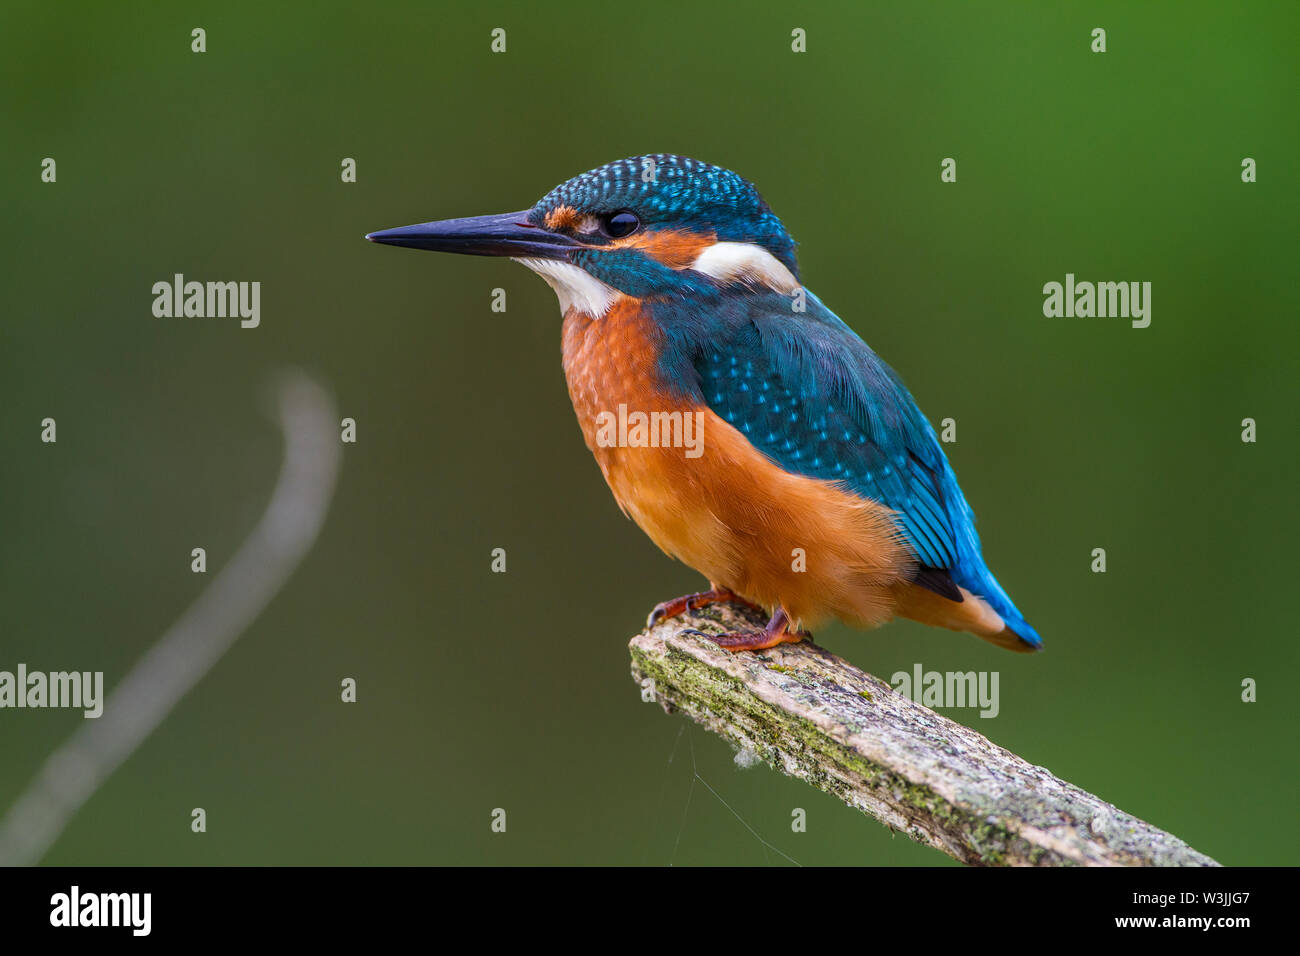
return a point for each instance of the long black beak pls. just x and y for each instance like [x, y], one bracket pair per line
[509, 234]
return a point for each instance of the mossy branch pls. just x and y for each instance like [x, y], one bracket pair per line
[817, 717]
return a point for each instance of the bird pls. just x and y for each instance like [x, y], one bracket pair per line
[810, 486]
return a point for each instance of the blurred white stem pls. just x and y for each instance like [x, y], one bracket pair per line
[204, 632]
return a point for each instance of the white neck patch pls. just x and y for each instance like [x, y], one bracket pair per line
[576, 288]
[745, 262]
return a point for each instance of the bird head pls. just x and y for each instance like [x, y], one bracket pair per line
[649, 227]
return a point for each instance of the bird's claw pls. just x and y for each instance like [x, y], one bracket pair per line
[736, 641]
[687, 603]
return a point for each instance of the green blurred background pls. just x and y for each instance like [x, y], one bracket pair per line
[480, 690]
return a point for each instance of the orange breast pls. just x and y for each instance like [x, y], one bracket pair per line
[706, 496]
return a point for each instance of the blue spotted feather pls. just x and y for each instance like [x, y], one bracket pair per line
[812, 396]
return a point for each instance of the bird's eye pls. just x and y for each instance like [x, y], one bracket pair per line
[619, 224]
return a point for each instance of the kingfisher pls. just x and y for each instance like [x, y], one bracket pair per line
[737, 420]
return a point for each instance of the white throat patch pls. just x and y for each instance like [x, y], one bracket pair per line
[576, 288]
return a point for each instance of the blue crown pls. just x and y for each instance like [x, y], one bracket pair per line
[665, 190]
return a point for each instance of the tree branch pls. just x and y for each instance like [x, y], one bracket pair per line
[816, 717]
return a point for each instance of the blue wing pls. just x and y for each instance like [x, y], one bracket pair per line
[810, 394]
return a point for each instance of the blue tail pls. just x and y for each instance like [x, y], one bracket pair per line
[974, 575]
[980, 581]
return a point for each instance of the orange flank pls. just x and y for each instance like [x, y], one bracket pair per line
[733, 514]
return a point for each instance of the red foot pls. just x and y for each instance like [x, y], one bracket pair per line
[693, 602]
[777, 632]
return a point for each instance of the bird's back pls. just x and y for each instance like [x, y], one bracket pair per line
[809, 394]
